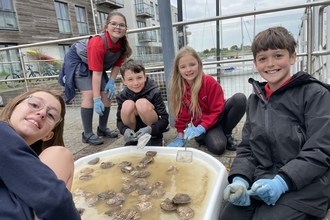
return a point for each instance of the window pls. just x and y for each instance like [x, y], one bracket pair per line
[63, 18]
[157, 13]
[152, 10]
[7, 15]
[9, 60]
[101, 19]
[81, 20]
[139, 6]
[63, 48]
[141, 24]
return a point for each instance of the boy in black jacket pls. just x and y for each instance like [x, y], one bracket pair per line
[141, 108]
[281, 170]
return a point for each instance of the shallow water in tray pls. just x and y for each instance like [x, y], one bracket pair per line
[197, 179]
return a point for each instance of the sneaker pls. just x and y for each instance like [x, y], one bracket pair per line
[231, 143]
[167, 129]
[107, 132]
[93, 139]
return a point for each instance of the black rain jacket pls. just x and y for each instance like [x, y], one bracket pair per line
[152, 93]
[289, 135]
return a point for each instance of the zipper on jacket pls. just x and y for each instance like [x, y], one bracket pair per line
[267, 137]
[301, 135]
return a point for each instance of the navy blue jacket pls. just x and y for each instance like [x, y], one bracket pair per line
[27, 184]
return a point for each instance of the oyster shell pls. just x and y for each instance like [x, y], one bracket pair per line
[146, 160]
[85, 177]
[140, 174]
[94, 161]
[106, 195]
[151, 153]
[124, 164]
[141, 183]
[185, 212]
[86, 170]
[181, 198]
[168, 205]
[105, 165]
[114, 211]
[118, 199]
[127, 189]
[144, 206]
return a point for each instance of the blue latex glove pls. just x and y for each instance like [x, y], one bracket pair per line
[143, 130]
[269, 190]
[130, 135]
[110, 87]
[179, 142]
[192, 132]
[236, 192]
[98, 105]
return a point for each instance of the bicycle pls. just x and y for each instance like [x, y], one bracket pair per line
[50, 72]
[29, 72]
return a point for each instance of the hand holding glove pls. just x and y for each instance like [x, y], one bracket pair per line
[98, 105]
[269, 190]
[130, 135]
[179, 142]
[192, 132]
[236, 192]
[110, 87]
[143, 130]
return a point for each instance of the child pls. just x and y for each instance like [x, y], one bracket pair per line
[198, 98]
[284, 155]
[35, 175]
[141, 108]
[85, 67]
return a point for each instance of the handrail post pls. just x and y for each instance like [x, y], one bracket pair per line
[309, 40]
[23, 67]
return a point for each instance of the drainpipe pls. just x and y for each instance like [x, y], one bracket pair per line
[93, 13]
[167, 45]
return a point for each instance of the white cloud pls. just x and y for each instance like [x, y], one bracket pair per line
[203, 35]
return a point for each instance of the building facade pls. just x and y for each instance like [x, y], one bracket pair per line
[33, 21]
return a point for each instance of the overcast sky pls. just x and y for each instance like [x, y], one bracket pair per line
[234, 30]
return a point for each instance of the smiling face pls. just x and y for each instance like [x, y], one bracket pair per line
[115, 28]
[188, 68]
[31, 124]
[134, 81]
[274, 66]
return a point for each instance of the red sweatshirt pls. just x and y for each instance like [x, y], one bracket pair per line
[211, 100]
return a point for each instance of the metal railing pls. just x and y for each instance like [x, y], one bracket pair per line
[308, 53]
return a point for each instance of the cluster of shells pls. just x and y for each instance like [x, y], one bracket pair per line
[134, 185]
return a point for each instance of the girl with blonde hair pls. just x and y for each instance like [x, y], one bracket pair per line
[198, 98]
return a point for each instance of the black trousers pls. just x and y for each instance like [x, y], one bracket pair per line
[258, 210]
[215, 138]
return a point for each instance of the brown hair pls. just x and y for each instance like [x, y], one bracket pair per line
[176, 91]
[132, 65]
[273, 38]
[125, 47]
[58, 129]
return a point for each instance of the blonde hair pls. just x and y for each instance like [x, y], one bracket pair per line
[125, 47]
[178, 87]
[58, 129]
